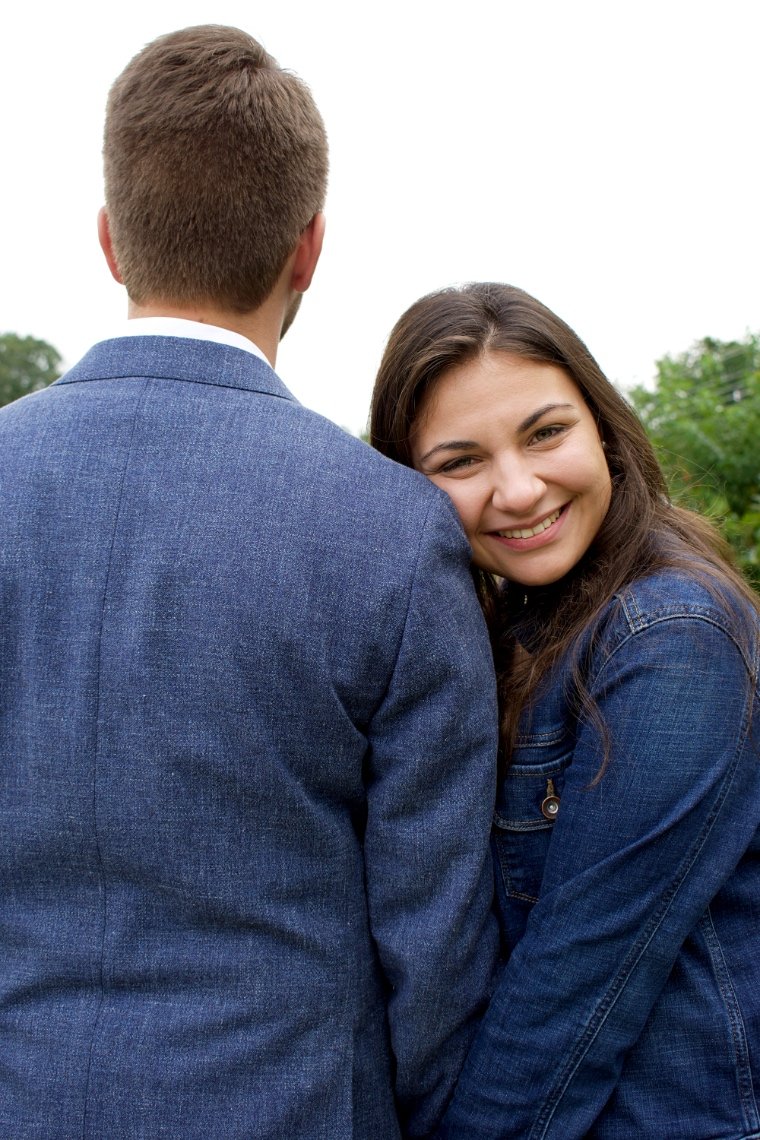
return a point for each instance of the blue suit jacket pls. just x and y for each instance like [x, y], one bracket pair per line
[247, 738]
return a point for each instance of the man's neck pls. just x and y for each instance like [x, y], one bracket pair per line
[259, 326]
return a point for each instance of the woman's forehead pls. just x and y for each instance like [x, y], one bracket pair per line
[494, 383]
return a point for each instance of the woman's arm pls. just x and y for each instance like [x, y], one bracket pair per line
[632, 864]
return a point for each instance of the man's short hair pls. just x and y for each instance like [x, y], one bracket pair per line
[215, 162]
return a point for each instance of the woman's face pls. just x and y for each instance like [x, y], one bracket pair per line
[515, 447]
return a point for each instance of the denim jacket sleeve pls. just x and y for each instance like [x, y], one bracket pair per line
[632, 864]
[430, 799]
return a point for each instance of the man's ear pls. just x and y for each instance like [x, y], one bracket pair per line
[307, 254]
[104, 237]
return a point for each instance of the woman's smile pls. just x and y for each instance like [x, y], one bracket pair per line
[520, 535]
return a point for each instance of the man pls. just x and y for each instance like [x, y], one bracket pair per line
[246, 701]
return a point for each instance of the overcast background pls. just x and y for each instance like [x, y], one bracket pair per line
[601, 155]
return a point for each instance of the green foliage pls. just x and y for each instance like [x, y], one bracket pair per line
[703, 418]
[26, 365]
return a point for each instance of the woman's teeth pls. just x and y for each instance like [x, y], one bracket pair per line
[537, 529]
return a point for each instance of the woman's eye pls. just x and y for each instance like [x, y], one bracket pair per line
[459, 464]
[548, 432]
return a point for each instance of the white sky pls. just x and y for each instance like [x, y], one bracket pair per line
[601, 154]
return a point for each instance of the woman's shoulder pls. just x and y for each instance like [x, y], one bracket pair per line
[699, 591]
[682, 596]
[674, 592]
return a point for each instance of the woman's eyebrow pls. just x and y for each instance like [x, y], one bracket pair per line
[534, 417]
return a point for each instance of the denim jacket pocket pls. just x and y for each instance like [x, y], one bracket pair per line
[528, 802]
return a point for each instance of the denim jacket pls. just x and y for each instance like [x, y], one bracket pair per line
[629, 1004]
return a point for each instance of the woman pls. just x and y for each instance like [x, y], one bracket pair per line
[627, 823]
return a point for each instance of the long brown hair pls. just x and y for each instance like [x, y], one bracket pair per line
[642, 531]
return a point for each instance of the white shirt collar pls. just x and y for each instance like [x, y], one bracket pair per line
[195, 330]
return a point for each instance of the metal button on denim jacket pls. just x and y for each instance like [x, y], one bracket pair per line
[629, 1003]
[528, 803]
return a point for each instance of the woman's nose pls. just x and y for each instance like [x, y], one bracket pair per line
[517, 488]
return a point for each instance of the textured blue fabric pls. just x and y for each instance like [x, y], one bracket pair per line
[247, 757]
[629, 1006]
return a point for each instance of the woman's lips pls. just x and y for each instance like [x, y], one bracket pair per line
[526, 538]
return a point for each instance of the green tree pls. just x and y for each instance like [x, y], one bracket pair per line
[703, 417]
[26, 365]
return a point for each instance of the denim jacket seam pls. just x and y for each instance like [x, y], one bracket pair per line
[638, 611]
[612, 644]
[523, 771]
[608, 1000]
[639, 617]
[540, 739]
[736, 1021]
